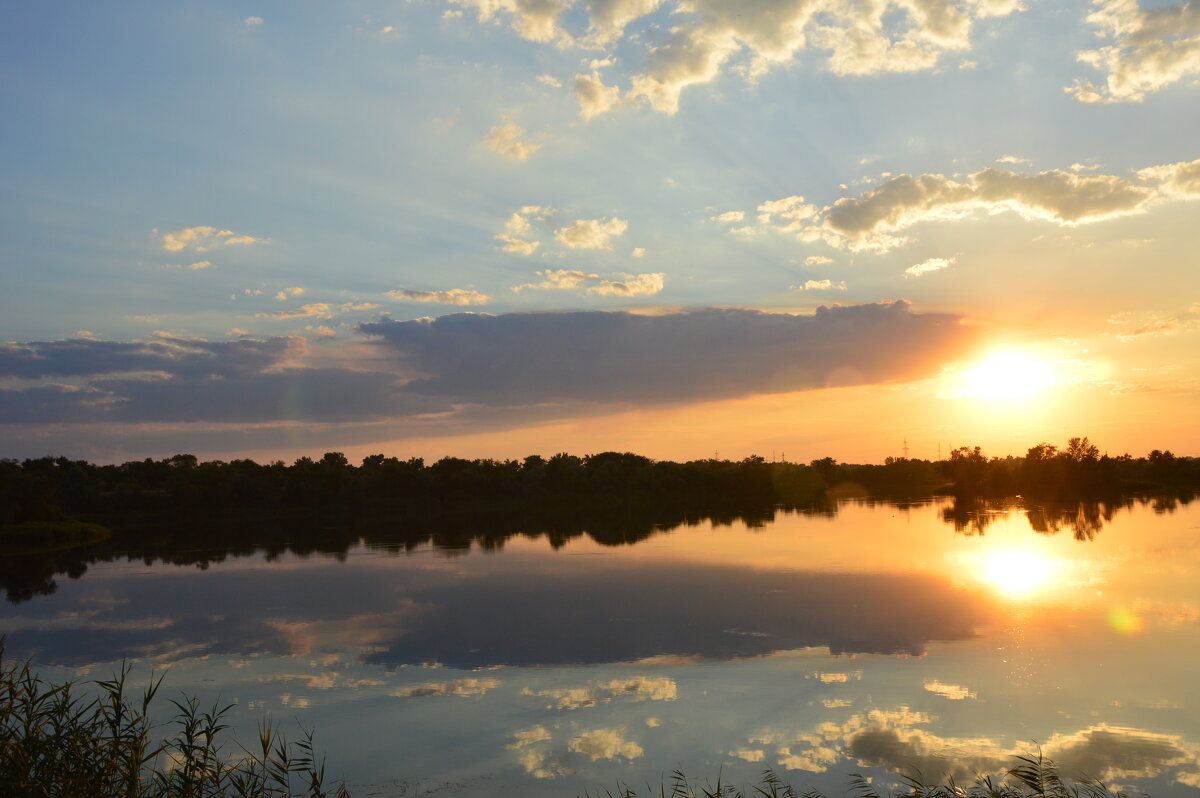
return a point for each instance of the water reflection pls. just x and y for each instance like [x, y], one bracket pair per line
[205, 540]
[1084, 519]
[711, 648]
[519, 615]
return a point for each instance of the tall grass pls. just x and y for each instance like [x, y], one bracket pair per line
[63, 740]
[1031, 777]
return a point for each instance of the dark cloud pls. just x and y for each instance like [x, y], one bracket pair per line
[521, 358]
[179, 357]
[474, 369]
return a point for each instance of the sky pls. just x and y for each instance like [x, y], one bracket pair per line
[689, 228]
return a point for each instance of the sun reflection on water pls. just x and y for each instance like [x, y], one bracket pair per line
[1017, 573]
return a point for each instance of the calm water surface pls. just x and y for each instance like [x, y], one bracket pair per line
[816, 645]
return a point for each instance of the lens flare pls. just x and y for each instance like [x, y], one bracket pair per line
[1125, 621]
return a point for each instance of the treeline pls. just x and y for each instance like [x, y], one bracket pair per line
[1076, 471]
[53, 488]
[49, 488]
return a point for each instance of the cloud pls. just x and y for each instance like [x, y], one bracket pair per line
[165, 355]
[594, 97]
[194, 266]
[450, 296]
[613, 356]
[820, 285]
[289, 292]
[638, 252]
[313, 310]
[202, 239]
[550, 80]
[528, 737]
[474, 368]
[630, 285]
[929, 265]
[517, 245]
[793, 211]
[1014, 159]
[729, 216]
[1149, 50]
[506, 140]
[535, 20]
[817, 260]
[605, 744]
[872, 220]
[1175, 179]
[1161, 327]
[558, 279]
[712, 36]
[591, 233]
[953, 692]
[455, 687]
[638, 688]
[250, 22]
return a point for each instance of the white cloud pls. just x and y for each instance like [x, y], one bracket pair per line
[605, 744]
[793, 212]
[629, 285]
[250, 22]
[289, 292]
[1175, 179]
[638, 252]
[728, 216]
[594, 97]
[1149, 50]
[203, 238]
[748, 754]
[591, 233]
[317, 310]
[929, 265]
[455, 687]
[817, 260]
[871, 221]
[820, 285]
[553, 279]
[528, 737]
[195, 266]
[520, 246]
[549, 80]
[506, 140]
[450, 296]
[637, 688]
[535, 20]
[954, 692]
[1014, 159]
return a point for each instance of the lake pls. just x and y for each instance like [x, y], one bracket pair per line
[863, 636]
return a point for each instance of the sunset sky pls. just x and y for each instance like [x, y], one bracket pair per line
[491, 228]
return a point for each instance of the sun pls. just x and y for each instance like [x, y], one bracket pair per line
[1007, 374]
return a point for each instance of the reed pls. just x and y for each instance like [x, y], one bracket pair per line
[65, 740]
[1031, 777]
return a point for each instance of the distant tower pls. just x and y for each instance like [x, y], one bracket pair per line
[906, 448]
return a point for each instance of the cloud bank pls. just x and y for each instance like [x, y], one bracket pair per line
[463, 370]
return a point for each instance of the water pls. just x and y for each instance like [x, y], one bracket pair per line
[925, 635]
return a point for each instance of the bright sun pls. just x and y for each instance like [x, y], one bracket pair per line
[1007, 374]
